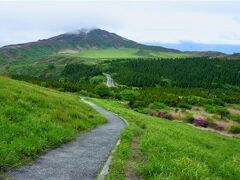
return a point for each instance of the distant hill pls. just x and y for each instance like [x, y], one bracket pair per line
[207, 53]
[201, 47]
[234, 56]
[82, 39]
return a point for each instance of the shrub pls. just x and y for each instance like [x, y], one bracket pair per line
[43, 84]
[102, 90]
[142, 110]
[152, 113]
[189, 118]
[200, 122]
[235, 129]
[51, 66]
[235, 117]
[138, 104]
[218, 110]
[161, 114]
[185, 105]
[129, 95]
[168, 116]
[97, 79]
[158, 105]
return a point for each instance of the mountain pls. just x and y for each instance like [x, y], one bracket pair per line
[82, 39]
[233, 56]
[202, 47]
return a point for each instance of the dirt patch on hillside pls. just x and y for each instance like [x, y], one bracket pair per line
[68, 51]
[131, 173]
[233, 111]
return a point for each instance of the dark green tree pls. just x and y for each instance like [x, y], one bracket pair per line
[129, 95]
[102, 90]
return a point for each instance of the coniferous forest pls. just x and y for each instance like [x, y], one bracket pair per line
[189, 72]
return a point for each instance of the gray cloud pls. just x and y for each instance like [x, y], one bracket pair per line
[161, 21]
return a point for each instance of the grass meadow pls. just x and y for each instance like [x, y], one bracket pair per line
[34, 119]
[120, 53]
[154, 148]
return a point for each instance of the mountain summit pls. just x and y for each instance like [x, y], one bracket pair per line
[95, 38]
[77, 40]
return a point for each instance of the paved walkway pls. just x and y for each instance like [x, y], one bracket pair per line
[79, 159]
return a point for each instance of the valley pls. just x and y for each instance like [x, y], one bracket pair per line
[182, 108]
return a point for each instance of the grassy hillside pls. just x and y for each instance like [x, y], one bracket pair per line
[118, 53]
[39, 67]
[93, 39]
[154, 148]
[34, 119]
[107, 53]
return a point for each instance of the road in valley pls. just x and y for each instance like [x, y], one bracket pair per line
[110, 82]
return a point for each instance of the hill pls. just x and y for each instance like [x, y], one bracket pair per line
[154, 148]
[34, 119]
[72, 42]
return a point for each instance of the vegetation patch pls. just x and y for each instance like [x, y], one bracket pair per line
[34, 119]
[172, 150]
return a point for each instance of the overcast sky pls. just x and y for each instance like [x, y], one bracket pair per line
[213, 22]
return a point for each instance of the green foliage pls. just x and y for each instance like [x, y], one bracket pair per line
[158, 105]
[138, 104]
[97, 79]
[235, 117]
[184, 105]
[187, 97]
[218, 110]
[235, 129]
[34, 119]
[51, 66]
[102, 90]
[184, 72]
[189, 118]
[107, 53]
[129, 95]
[172, 150]
[76, 72]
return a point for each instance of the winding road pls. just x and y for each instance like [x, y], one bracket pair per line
[109, 80]
[79, 159]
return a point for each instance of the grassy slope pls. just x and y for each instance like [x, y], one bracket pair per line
[34, 119]
[107, 53]
[111, 53]
[38, 66]
[171, 150]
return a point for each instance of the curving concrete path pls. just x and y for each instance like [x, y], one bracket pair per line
[79, 159]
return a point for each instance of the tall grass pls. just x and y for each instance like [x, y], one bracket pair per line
[34, 119]
[172, 150]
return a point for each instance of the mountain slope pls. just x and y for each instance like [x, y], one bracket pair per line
[34, 119]
[96, 38]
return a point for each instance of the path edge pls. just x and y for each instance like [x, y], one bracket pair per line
[104, 171]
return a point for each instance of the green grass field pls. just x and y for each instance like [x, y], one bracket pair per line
[113, 53]
[153, 148]
[34, 119]
[37, 66]
[107, 53]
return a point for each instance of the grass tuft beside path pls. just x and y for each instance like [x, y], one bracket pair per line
[170, 149]
[34, 119]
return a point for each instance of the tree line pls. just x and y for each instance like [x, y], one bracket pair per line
[184, 72]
